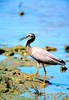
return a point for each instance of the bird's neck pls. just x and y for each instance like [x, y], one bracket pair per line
[29, 42]
[28, 47]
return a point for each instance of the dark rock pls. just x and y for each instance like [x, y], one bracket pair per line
[63, 69]
[2, 51]
[11, 54]
[66, 48]
[6, 69]
[49, 48]
[21, 13]
[14, 73]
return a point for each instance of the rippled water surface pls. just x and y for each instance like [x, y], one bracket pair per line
[49, 21]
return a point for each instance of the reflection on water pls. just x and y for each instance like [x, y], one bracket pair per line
[42, 94]
[27, 70]
[35, 94]
[57, 80]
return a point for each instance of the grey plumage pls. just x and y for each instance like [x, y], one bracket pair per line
[43, 56]
[40, 55]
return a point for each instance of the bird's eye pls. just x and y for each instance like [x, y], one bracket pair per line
[31, 36]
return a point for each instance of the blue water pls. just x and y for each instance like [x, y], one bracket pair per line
[2, 58]
[48, 20]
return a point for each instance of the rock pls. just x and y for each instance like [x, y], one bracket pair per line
[8, 54]
[49, 48]
[66, 48]
[21, 13]
[4, 96]
[18, 48]
[11, 54]
[63, 69]
[2, 51]
[12, 81]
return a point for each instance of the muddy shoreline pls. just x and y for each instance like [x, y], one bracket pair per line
[13, 82]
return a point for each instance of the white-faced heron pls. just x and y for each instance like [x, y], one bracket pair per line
[40, 55]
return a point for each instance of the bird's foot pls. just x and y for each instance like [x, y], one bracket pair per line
[43, 84]
[31, 75]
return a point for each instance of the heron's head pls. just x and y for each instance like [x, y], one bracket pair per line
[30, 35]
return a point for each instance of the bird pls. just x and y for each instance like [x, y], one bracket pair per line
[40, 55]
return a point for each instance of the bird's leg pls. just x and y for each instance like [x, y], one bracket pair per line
[38, 65]
[32, 75]
[44, 84]
[44, 73]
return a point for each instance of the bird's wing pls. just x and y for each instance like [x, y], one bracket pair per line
[44, 56]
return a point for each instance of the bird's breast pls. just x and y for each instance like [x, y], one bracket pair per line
[29, 50]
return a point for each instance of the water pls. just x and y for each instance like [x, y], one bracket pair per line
[49, 20]
[2, 58]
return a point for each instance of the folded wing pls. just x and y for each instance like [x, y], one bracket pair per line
[44, 56]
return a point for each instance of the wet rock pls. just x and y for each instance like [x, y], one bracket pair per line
[28, 62]
[21, 13]
[18, 48]
[2, 51]
[11, 54]
[14, 50]
[11, 63]
[6, 69]
[49, 48]
[66, 48]
[5, 90]
[23, 53]
[1, 66]
[7, 49]
[12, 81]
[5, 96]
[8, 54]
[63, 69]
[66, 98]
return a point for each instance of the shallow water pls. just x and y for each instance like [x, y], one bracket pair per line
[49, 20]
[2, 58]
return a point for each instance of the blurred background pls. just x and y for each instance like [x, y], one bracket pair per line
[48, 20]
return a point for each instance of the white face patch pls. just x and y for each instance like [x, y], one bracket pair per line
[30, 35]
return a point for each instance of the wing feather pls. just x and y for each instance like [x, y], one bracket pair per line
[44, 56]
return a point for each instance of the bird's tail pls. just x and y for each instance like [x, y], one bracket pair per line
[62, 62]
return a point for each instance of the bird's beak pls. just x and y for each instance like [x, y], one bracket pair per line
[23, 38]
